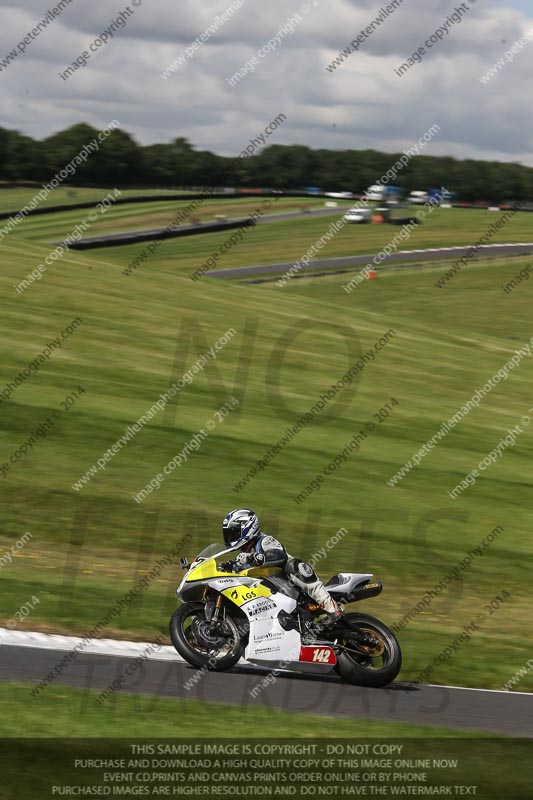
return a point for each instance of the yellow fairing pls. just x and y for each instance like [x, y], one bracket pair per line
[208, 569]
[205, 570]
[262, 572]
[242, 594]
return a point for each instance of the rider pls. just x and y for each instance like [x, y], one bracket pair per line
[241, 528]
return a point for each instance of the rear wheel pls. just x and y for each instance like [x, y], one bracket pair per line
[197, 643]
[375, 665]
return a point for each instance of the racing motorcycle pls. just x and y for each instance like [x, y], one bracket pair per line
[259, 615]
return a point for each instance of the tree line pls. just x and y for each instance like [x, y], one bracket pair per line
[121, 161]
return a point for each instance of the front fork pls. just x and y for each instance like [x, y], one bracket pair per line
[213, 611]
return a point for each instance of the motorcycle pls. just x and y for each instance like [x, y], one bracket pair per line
[259, 615]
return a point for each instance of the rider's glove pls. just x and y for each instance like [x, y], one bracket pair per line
[242, 561]
[247, 560]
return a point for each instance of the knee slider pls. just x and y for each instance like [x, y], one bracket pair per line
[301, 570]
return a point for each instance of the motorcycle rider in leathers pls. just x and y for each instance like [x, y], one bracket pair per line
[241, 528]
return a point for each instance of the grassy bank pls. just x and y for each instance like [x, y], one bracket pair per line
[138, 335]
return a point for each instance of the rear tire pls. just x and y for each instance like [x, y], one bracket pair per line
[183, 639]
[365, 671]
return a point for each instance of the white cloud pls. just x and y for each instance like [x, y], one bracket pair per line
[362, 104]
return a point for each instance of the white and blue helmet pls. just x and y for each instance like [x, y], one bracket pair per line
[240, 526]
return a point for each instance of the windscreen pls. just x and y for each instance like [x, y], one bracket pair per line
[214, 549]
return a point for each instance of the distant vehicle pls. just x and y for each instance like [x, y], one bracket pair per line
[418, 198]
[358, 215]
[380, 194]
[314, 190]
[375, 193]
[340, 195]
[440, 196]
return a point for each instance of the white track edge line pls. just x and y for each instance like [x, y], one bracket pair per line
[118, 647]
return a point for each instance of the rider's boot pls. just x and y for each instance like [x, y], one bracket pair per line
[331, 618]
[333, 612]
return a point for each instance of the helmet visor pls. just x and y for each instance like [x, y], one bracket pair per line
[232, 533]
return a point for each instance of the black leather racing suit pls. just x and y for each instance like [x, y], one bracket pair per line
[266, 551]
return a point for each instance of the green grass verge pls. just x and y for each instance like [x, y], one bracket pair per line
[74, 713]
[44, 738]
[447, 344]
[13, 199]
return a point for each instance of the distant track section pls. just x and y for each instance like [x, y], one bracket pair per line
[347, 263]
[175, 231]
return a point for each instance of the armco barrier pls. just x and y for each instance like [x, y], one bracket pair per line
[158, 198]
[116, 239]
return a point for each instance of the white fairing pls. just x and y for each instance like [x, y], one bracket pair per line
[270, 645]
[219, 584]
[268, 641]
[348, 582]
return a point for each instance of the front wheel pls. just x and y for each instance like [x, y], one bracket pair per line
[376, 666]
[200, 646]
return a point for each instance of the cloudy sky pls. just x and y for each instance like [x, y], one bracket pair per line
[361, 104]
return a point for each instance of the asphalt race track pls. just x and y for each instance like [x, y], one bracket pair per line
[346, 263]
[164, 674]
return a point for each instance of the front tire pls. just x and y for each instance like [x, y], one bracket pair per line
[366, 670]
[189, 635]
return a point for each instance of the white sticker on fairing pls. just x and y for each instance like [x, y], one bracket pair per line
[286, 646]
[259, 606]
[222, 583]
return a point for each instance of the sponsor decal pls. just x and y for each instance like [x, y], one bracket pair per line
[259, 606]
[268, 650]
[317, 655]
[270, 636]
[241, 594]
